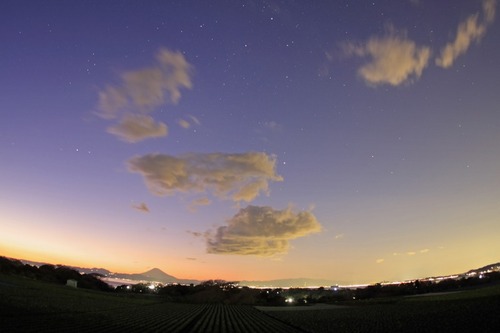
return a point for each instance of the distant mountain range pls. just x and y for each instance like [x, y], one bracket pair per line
[153, 275]
[94, 270]
[157, 275]
[485, 269]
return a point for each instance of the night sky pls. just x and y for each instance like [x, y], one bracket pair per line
[357, 141]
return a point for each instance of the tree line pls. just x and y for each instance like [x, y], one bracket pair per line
[229, 292]
[53, 273]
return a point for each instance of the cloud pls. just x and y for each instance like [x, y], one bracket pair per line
[111, 101]
[489, 10]
[177, 73]
[194, 120]
[187, 123]
[379, 261]
[267, 129]
[272, 125]
[142, 207]
[184, 123]
[145, 89]
[142, 91]
[393, 59]
[261, 231]
[195, 233]
[411, 253]
[339, 236]
[469, 31]
[134, 128]
[199, 202]
[239, 177]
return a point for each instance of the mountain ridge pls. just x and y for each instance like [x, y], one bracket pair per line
[152, 275]
[158, 275]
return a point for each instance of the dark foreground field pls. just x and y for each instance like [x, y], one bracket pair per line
[33, 306]
[476, 310]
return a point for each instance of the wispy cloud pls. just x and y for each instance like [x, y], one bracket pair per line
[188, 122]
[379, 261]
[469, 31]
[411, 253]
[339, 236]
[239, 177]
[267, 129]
[392, 59]
[142, 207]
[272, 125]
[261, 231]
[199, 202]
[142, 91]
[195, 233]
[138, 127]
[111, 100]
[184, 123]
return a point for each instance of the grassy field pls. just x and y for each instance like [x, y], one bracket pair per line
[476, 310]
[34, 306]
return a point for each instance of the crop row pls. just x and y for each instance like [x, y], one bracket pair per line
[161, 317]
[27, 306]
[237, 318]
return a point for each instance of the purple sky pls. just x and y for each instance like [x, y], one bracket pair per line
[354, 141]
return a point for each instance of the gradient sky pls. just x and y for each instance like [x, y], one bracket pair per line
[357, 141]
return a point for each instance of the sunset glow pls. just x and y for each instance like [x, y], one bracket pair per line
[252, 140]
